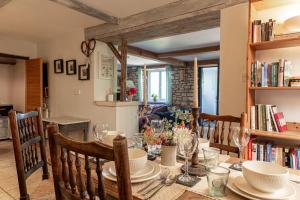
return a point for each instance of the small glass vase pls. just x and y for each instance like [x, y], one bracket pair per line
[168, 155]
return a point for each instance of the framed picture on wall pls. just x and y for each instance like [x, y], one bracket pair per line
[58, 66]
[71, 67]
[84, 72]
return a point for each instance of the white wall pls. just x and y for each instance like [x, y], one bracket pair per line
[12, 77]
[234, 34]
[63, 88]
[5, 81]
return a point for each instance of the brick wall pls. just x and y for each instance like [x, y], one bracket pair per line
[181, 84]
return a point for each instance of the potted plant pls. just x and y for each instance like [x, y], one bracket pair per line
[154, 97]
[168, 148]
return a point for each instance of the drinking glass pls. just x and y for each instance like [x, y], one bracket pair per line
[157, 126]
[241, 139]
[100, 131]
[138, 140]
[211, 157]
[217, 178]
[187, 146]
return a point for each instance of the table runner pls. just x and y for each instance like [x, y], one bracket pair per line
[174, 191]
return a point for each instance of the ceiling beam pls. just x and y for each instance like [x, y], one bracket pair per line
[153, 56]
[204, 62]
[115, 51]
[6, 61]
[85, 9]
[189, 51]
[4, 2]
[175, 18]
[5, 55]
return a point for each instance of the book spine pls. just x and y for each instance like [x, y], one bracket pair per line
[253, 120]
[254, 151]
[256, 35]
[261, 151]
[268, 118]
[281, 73]
[263, 31]
[249, 149]
[269, 75]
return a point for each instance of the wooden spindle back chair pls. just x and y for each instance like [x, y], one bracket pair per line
[69, 180]
[29, 147]
[218, 130]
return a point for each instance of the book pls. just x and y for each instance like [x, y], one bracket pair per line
[252, 119]
[280, 121]
[275, 74]
[256, 34]
[281, 73]
[254, 151]
[263, 32]
[268, 118]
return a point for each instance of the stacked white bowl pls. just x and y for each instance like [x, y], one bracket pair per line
[264, 176]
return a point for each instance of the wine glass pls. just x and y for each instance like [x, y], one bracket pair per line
[241, 139]
[100, 131]
[157, 126]
[187, 144]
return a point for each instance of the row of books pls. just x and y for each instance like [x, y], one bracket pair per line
[263, 31]
[276, 74]
[267, 118]
[288, 157]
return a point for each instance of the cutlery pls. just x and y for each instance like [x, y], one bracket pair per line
[162, 177]
[170, 180]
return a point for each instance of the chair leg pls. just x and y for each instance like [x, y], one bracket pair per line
[26, 197]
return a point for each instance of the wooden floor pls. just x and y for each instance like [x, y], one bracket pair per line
[37, 189]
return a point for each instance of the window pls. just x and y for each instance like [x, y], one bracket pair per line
[158, 85]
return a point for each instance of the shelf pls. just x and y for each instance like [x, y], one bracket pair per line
[275, 44]
[288, 135]
[274, 88]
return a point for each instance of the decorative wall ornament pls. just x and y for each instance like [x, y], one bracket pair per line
[71, 67]
[107, 67]
[58, 66]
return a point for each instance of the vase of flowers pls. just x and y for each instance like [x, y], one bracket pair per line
[168, 148]
[131, 90]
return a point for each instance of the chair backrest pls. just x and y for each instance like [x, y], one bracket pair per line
[29, 146]
[218, 130]
[69, 180]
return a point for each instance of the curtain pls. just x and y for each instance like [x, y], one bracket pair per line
[169, 86]
[140, 84]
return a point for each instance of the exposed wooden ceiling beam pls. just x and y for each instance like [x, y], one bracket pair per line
[115, 51]
[5, 55]
[85, 9]
[204, 62]
[189, 51]
[171, 19]
[7, 61]
[4, 2]
[151, 55]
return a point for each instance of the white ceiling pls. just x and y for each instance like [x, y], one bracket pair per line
[192, 40]
[37, 20]
[184, 41]
[138, 61]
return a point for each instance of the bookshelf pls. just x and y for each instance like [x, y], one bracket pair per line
[292, 135]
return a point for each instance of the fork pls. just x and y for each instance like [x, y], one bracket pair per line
[168, 182]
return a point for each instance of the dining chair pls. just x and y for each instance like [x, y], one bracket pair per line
[29, 147]
[69, 180]
[218, 130]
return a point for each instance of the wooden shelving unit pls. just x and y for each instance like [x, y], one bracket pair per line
[292, 136]
[276, 44]
[274, 88]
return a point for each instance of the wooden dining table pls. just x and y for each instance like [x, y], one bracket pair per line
[111, 187]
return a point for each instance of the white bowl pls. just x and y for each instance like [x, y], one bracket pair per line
[137, 160]
[264, 176]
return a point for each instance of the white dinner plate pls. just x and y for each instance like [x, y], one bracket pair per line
[106, 174]
[148, 169]
[286, 193]
[234, 189]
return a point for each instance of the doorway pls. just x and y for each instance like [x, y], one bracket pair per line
[209, 89]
